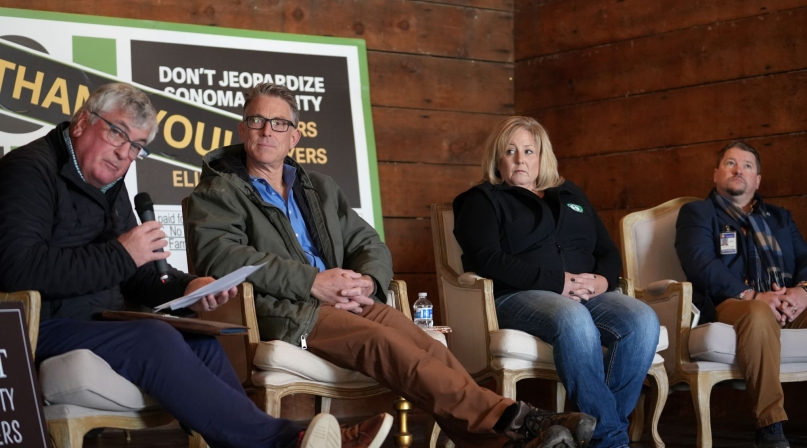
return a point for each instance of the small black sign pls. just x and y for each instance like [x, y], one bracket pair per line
[22, 421]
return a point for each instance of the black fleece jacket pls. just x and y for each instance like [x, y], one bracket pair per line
[58, 235]
[509, 234]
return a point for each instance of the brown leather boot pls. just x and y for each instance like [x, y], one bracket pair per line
[370, 433]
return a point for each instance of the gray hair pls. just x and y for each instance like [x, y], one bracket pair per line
[125, 98]
[277, 91]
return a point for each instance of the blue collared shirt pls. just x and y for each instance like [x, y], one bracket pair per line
[292, 212]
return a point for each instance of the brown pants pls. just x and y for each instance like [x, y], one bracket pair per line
[383, 344]
[759, 350]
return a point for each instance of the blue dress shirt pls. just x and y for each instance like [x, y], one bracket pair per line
[292, 212]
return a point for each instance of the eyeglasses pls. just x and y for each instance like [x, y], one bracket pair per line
[277, 124]
[117, 137]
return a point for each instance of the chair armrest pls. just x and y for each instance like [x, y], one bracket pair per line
[468, 279]
[672, 302]
[399, 297]
[31, 303]
[626, 286]
[467, 306]
[239, 310]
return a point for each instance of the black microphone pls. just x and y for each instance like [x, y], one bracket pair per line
[145, 209]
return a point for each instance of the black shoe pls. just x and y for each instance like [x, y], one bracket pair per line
[529, 422]
[552, 437]
[772, 436]
[580, 425]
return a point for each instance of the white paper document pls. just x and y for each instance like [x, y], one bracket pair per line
[228, 281]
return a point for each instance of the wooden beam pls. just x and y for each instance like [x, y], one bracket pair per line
[644, 179]
[422, 82]
[499, 5]
[409, 189]
[430, 136]
[388, 25]
[551, 27]
[692, 56]
[410, 241]
[748, 108]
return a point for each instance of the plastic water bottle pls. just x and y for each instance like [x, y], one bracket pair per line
[423, 311]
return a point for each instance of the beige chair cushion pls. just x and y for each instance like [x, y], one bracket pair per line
[66, 411]
[519, 345]
[84, 379]
[295, 364]
[515, 344]
[280, 363]
[717, 342]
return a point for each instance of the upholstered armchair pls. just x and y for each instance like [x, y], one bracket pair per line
[698, 356]
[508, 356]
[277, 369]
[82, 391]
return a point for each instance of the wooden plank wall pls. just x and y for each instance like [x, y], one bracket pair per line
[637, 96]
[441, 74]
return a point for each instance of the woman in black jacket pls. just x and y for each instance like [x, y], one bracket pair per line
[554, 270]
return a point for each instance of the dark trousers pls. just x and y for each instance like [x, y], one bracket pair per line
[188, 374]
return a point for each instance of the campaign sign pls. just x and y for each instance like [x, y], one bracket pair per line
[22, 421]
[196, 77]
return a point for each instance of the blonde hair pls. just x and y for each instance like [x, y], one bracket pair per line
[498, 141]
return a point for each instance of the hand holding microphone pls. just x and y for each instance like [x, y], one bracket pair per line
[145, 242]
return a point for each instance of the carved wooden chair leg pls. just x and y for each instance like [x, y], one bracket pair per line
[636, 426]
[196, 441]
[65, 435]
[701, 390]
[433, 432]
[403, 439]
[558, 397]
[659, 388]
[271, 403]
[322, 404]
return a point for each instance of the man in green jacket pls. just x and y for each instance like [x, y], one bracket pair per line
[324, 284]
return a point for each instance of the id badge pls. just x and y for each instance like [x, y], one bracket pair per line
[728, 243]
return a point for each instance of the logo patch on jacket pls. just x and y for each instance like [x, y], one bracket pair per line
[576, 208]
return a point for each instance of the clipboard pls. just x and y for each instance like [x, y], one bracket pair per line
[183, 324]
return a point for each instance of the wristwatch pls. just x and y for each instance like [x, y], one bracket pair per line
[741, 295]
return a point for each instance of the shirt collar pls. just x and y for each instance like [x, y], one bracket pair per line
[289, 176]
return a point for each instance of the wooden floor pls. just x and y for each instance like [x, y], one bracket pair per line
[676, 433]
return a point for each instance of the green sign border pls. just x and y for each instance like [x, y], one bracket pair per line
[360, 44]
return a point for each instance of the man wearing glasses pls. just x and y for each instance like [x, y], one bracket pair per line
[67, 230]
[326, 276]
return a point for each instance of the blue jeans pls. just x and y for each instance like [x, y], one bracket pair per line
[606, 386]
[189, 375]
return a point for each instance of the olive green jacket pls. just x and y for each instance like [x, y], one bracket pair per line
[230, 226]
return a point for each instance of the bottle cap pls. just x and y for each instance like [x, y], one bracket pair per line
[421, 294]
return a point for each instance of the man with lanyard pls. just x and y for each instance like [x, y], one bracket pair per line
[747, 263]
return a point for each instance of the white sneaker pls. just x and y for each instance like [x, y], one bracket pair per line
[322, 432]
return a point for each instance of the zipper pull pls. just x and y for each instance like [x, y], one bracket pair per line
[303, 344]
